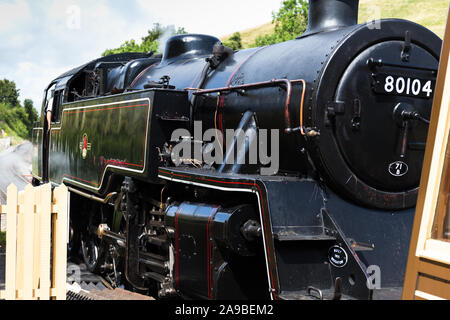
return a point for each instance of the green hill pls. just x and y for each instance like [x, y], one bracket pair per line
[429, 13]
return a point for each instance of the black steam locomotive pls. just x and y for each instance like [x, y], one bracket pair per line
[323, 209]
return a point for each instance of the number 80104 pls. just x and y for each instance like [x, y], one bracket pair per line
[408, 86]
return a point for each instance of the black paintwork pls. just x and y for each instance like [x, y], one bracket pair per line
[186, 46]
[297, 250]
[122, 136]
[334, 189]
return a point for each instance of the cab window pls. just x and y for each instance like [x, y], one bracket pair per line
[53, 102]
[57, 102]
[48, 102]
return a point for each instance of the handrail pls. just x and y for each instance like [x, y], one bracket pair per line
[271, 83]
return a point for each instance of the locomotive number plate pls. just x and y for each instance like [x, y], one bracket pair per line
[404, 86]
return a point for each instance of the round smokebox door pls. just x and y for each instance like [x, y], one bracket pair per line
[382, 106]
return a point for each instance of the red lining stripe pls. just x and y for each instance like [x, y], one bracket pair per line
[240, 65]
[222, 102]
[221, 109]
[195, 79]
[106, 109]
[209, 250]
[91, 183]
[141, 74]
[124, 163]
[262, 210]
[177, 247]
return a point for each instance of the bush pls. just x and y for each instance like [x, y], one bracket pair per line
[2, 240]
[234, 42]
[14, 121]
[151, 42]
[290, 22]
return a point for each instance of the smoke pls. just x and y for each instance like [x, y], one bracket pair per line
[169, 31]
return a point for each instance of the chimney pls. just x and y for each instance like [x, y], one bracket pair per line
[328, 15]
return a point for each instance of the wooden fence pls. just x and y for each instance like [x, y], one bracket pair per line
[36, 243]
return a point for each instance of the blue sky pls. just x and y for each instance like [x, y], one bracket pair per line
[41, 39]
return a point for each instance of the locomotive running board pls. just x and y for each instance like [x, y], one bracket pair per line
[291, 210]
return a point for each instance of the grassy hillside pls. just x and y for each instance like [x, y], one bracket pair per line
[249, 36]
[429, 13]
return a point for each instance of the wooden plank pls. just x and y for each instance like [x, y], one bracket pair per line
[442, 208]
[11, 249]
[436, 250]
[430, 267]
[60, 242]
[53, 249]
[43, 292]
[28, 236]
[29, 243]
[433, 286]
[419, 295]
[20, 244]
[36, 240]
[411, 274]
[45, 228]
[435, 167]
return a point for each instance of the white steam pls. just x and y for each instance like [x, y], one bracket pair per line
[167, 34]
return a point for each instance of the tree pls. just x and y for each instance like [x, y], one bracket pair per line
[9, 94]
[14, 118]
[234, 42]
[290, 22]
[32, 115]
[149, 43]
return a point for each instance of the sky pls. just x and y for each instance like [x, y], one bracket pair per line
[41, 39]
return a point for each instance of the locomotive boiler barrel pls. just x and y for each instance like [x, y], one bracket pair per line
[345, 101]
[349, 101]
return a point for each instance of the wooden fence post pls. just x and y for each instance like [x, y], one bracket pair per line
[45, 226]
[60, 242]
[29, 240]
[27, 236]
[11, 225]
[36, 242]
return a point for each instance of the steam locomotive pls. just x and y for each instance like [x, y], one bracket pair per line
[164, 201]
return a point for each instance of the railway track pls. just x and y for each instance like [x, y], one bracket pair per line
[22, 177]
[84, 285]
[19, 177]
